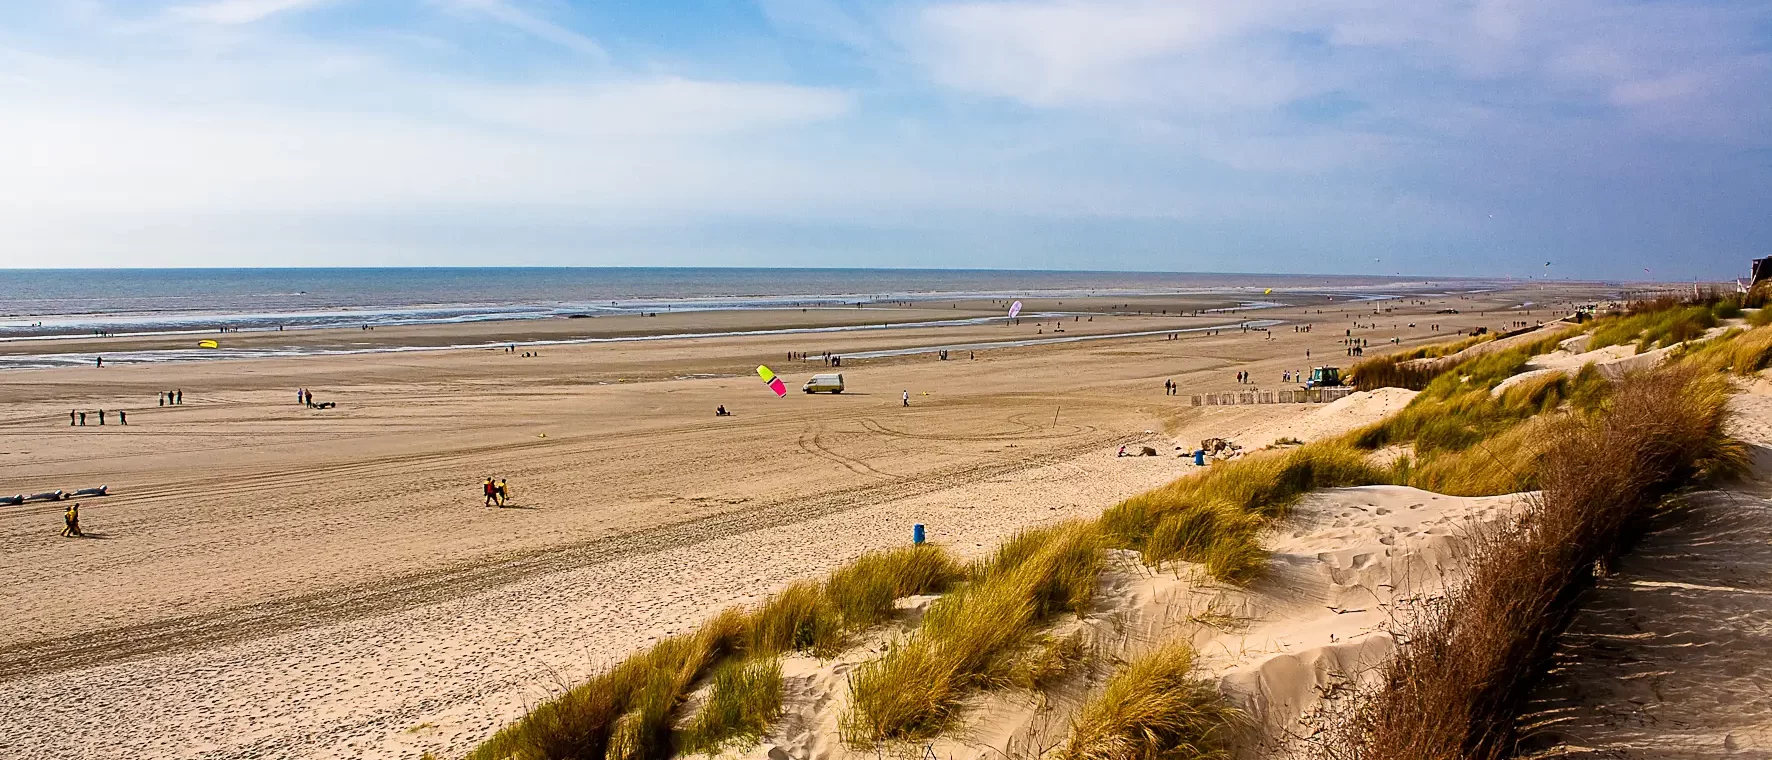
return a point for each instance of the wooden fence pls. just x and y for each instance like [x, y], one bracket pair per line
[1244, 398]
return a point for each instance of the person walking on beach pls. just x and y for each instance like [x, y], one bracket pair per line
[82, 419]
[122, 417]
[101, 416]
[502, 491]
[162, 398]
[486, 485]
[71, 522]
[907, 397]
[98, 361]
[181, 398]
[70, 418]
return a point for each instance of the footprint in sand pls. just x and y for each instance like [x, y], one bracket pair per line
[1383, 511]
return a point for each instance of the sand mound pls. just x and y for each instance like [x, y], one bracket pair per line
[1349, 563]
[1337, 417]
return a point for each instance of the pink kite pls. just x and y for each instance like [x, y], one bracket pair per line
[781, 391]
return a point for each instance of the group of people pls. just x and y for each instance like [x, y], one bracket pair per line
[173, 398]
[830, 360]
[77, 417]
[1170, 388]
[497, 493]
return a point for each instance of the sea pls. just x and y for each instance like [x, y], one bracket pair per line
[43, 304]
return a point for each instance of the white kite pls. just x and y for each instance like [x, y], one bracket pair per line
[1014, 309]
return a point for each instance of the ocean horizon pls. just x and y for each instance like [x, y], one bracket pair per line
[74, 301]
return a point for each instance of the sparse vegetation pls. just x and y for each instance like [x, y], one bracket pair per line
[1215, 517]
[625, 713]
[1154, 709]
[1456, 413]
[971, 638]
[1654, 324]
[1456, 688]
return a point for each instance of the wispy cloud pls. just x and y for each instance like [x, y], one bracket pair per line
[533, 25]
[1281, 134]
[242, 11]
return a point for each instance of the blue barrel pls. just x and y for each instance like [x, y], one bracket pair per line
[1200, 457]
[917, 533]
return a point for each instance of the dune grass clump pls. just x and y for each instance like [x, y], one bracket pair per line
[625, 712]
[819, 618]
[1215, 517]
[1154, 709]
[1653, 325]
[628, 711]
[744, 699]
[1460, 682]
[969, 639]
[1393, 371]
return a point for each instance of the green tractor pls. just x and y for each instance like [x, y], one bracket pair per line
[1324, 377]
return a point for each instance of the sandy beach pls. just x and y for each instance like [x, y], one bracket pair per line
[269, 580]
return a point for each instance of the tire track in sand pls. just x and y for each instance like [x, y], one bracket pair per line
[88, 649]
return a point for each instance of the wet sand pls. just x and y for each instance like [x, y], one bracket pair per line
[271, 580]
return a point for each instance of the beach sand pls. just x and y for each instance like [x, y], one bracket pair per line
[270, 580]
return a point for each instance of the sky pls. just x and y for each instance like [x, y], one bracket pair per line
[1545, 138]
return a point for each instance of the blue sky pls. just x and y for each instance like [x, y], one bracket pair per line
[1479, 137]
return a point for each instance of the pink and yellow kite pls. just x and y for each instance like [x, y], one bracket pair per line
[781, 391]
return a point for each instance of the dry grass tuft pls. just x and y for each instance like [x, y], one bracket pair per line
[1154, 709]
[1458, 685]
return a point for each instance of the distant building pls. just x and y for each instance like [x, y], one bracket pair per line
[1762, 270]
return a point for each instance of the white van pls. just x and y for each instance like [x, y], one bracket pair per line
[820, 383]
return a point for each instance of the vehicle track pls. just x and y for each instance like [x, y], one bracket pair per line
[88, 649]
[811, 443]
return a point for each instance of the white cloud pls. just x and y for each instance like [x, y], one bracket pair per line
[654, 107]
[1059, 53]
[242, 11]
